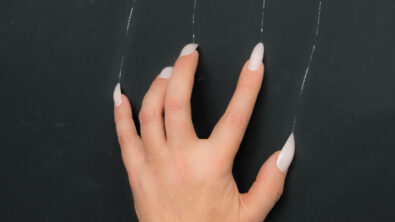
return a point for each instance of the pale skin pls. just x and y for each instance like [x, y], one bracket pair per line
[176, 176]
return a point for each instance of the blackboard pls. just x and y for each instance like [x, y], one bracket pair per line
[60, 61]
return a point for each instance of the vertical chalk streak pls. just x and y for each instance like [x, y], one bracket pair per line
[313, 48]
[263, 14]
[126, 36]
[130, 17]
[317, 28]
[121, 68]
[193, 21]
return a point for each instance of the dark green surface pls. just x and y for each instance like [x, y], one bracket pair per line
[59, 60]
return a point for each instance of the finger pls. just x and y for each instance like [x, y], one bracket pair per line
[178, 120]
[151, 114]
[130, 142]
[229, 131]
[269, 184]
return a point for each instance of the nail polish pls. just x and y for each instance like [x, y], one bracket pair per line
[166, 73]
[256, 57]
[188, 49]
[117, 96]
[287, 154]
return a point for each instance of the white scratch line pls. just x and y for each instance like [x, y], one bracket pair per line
[263, 14]
[294, 124]
[193, 20]
[121, 68]
[310, 59]
[130, 17]
[126, 35]
[313, 48]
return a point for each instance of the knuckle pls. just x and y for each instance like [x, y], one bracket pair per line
[274, 192]
[125, 137]
[237, 119]
[248, 87]
[122, 116]
[173, 104]
[146, 117]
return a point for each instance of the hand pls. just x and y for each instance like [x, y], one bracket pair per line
[176, 176]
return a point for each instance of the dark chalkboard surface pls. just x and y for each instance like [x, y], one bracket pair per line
[60, 61]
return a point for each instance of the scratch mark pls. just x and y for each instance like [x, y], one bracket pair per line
[130, 17]
[313, 48]
[126, 37]
[121, 67]
[263, 14]
[193, 21]
[317, 28]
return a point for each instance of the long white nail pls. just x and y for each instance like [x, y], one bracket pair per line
[166, 73]
[256, 57]
[117, 96]
[188, 49]
[287, 154]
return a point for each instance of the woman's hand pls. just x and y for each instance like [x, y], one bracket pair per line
[176, 176]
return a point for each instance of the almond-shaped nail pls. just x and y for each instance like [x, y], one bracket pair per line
[117, 96]
[287, 154]
[166, 73]
[256, 57]
[188, 49]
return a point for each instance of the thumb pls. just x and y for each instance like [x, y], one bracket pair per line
[269, 184]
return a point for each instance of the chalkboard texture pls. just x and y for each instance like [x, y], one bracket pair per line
[60, 61]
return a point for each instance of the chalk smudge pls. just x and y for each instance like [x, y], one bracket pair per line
[317, 28]
[126, 37]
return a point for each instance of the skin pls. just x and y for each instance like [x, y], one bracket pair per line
[176, 176]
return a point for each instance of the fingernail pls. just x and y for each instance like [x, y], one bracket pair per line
[188, 49]
[287, 154]
[117, 96]
[256, 57]
[166, 73]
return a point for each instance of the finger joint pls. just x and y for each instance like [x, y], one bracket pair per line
[237, 119]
